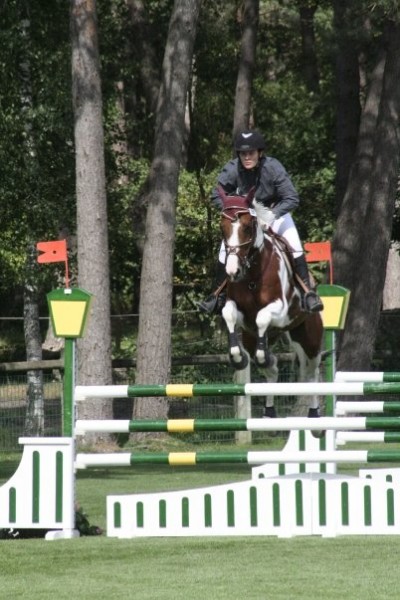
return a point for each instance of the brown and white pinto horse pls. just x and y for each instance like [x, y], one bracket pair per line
[262, 300]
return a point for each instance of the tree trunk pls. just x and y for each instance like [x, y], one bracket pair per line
[369, 273]
[34, 418]
[154, 337]
[350, 222]
[391, 292]
[348, 97]
[94, 356]
[310, 64]
[142, 40]
[244, 83]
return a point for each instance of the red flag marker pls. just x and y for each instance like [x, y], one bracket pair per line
[320, 252]
[54, 252]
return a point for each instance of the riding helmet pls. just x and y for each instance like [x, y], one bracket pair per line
[249, 140]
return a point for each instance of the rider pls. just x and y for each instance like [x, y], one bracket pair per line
[277, 196]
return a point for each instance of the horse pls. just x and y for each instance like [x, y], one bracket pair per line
[263, 301]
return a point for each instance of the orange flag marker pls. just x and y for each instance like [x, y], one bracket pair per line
[54, 252]
[320, 252]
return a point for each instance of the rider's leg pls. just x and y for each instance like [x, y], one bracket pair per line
[311, 301]
[285, 227]
[215, 302]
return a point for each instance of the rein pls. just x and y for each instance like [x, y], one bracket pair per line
[237, 211]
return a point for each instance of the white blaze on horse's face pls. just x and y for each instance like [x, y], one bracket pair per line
[232, 263]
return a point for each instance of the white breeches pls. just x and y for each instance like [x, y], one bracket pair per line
[283, 226]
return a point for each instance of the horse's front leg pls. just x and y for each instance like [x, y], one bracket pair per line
[263, 357]
[239, 358]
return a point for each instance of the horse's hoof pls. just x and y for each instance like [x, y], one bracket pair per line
[266, 363]
[242, 364]
[313, 413]
[318, 434]
[269, 412]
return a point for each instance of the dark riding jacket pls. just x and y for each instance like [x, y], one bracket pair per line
[274, 188]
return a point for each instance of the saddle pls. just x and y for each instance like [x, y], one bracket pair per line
[287, 253]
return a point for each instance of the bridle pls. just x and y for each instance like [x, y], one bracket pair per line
[246, 259]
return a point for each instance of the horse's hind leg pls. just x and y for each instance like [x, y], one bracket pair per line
[271, 374]
[270, 370]
[308, 372]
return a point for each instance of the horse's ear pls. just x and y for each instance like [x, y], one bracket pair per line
[250, 195]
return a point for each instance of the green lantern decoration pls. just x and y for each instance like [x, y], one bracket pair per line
[336, 302]
[69, 309]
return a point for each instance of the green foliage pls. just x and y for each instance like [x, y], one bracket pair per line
[36, 152]
[197, 239]
[37, 171]
[125, 238]
[215, 70]
[82, 523]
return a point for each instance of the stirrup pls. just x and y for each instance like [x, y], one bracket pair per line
[213, 304]
[209, 304]
[312, 303]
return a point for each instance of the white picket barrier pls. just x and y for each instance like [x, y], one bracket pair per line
[40, 494]
[296, 495]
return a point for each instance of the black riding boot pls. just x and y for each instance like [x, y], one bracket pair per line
[311, 301]
[215, 301]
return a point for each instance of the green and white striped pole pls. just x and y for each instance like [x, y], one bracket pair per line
[279, 424]
[368, 376]
[125, 459]
[234, 389]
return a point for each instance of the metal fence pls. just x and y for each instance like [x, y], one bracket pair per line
[199, 369]
[14, 398]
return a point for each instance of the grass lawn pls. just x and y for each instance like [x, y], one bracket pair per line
[217, 568]
[212, 568]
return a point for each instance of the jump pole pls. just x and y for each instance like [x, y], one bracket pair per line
[387, 437]
[368, 376]
[124, 459]
[278, 424]
[232, 389]
[344, 408]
